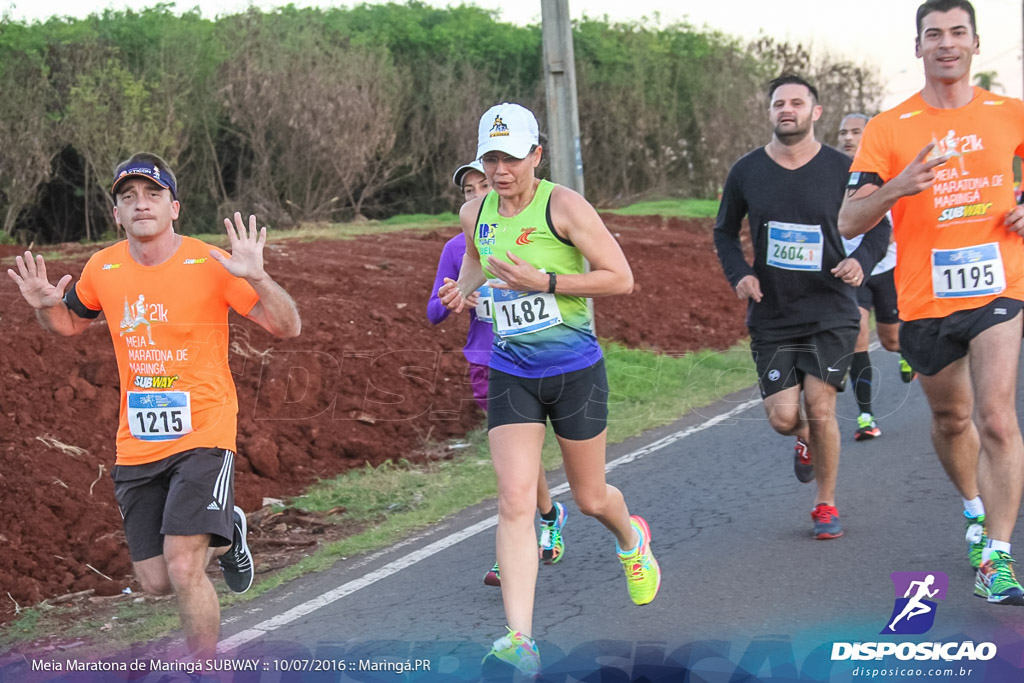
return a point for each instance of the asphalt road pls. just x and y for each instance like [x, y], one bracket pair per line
[747, 592]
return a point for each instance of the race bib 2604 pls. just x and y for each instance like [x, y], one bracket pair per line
[792, 246]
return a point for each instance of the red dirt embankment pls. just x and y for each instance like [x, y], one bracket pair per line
[369, 379]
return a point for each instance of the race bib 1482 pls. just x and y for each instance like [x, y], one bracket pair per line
[524, 312]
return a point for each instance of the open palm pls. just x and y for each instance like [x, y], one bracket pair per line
[246, 260]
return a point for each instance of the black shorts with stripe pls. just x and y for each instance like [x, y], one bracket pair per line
[185, 494]
[931, 344]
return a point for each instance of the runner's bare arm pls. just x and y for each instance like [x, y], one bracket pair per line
[456, 295]
[865, 206]
[576, 220]
[275, 312]
[47, 300]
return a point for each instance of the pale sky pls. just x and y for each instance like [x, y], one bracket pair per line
[872, 32]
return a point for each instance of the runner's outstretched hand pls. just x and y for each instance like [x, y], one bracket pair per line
[246, 260]
[34, 285]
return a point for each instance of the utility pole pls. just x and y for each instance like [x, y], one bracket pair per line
[560, 89]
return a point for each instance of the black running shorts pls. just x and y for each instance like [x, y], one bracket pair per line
[879, 292]
[186, 494]
[576, 402]
[826, 354]
[931, 344]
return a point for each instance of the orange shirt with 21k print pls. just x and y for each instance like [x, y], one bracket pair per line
[936, 271]
[169, 325]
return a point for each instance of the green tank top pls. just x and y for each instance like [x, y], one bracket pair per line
[536, 344]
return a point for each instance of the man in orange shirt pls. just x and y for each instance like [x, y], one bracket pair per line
[166, 299]
[942, 161]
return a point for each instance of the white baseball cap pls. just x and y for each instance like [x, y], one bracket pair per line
[509, 128]
[461, 171]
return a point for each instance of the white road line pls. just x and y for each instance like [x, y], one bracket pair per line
[423, 553]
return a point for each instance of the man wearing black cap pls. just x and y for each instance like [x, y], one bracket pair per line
[166, 297]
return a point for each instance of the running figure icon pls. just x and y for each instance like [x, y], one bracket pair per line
[915, 606]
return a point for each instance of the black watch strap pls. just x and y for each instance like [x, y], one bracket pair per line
[552, 281]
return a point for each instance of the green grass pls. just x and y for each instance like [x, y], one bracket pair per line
[423, 219]
[673, 208]
[397, 498]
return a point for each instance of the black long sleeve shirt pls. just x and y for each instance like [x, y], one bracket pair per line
[793, 217]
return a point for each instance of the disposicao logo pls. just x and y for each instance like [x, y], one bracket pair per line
[913, 613]
[914, 609]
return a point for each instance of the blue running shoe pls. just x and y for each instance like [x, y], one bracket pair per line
[551, 544]
[826, 522]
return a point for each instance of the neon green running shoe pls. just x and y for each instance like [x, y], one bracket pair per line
[976, 538]
[517, 650]
[551, 544]
[643, 575]
[867, 428]
[907, 373]
[996, 582]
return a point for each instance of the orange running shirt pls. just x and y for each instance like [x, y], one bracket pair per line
[954, 251]
[169, 325]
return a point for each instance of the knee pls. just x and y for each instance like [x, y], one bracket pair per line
[155, 585]
[951, 423]
[184, 569]
[517, 505]
[997, 427]
[891, 343]
[589, 504]
[819, 413]
[784, 421]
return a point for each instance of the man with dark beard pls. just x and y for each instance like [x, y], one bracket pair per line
[802, 312]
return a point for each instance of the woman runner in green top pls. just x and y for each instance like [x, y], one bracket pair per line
[528, 238]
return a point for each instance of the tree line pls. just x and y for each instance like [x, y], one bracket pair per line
[324, 115]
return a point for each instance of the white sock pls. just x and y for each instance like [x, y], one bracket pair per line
[974, 507]
[993, 546]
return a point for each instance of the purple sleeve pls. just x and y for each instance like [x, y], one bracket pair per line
[448, 266]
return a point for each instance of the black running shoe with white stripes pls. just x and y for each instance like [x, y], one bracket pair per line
[236, 563]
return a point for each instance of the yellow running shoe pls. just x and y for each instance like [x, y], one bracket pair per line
[515, 649]
[643, 575]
